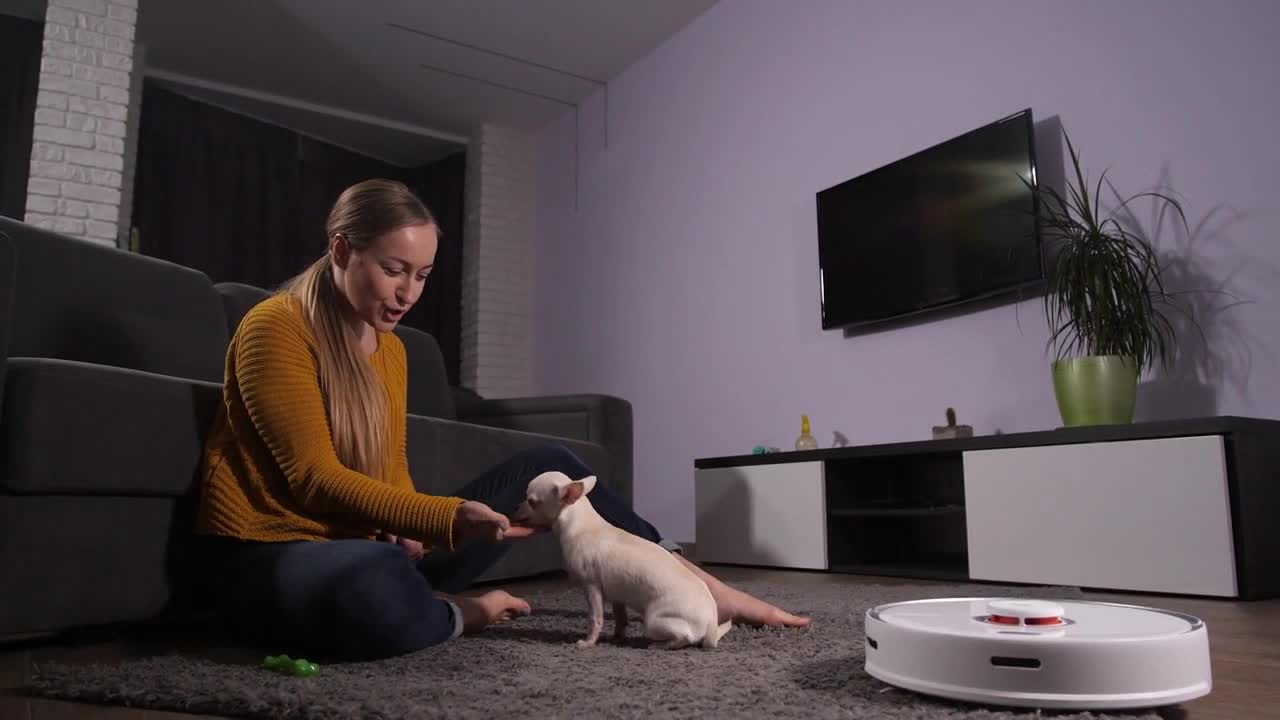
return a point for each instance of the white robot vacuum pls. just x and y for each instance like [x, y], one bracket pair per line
[1044, 654]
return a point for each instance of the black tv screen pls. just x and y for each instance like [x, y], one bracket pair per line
[950, 224]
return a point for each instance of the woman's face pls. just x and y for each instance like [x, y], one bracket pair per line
[385, 279]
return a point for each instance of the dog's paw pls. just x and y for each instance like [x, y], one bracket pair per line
[586, 643]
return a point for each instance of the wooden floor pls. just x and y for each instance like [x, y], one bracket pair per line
[1244, 643]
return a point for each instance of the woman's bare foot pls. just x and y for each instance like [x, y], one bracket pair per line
[491, 608]
[740, 607]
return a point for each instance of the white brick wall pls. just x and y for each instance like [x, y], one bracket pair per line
[131, 147]
[82, 106]
[496, 284]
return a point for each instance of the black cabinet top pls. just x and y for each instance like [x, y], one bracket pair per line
[1221, 425]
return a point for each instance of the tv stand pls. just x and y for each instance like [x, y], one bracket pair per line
[1179, 507]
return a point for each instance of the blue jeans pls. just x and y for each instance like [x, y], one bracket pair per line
[364, 600]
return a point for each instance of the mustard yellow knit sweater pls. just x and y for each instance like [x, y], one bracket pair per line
[270, 470]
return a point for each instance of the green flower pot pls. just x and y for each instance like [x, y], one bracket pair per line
[1096, 390]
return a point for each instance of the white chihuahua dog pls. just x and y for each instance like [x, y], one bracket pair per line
[613, 565]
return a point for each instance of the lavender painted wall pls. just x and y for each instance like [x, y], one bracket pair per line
[678, 266]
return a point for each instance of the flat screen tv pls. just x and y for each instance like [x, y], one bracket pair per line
[948, 225]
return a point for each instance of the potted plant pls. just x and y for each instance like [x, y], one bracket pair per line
[1103, 302]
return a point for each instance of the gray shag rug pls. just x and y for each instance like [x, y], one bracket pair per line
[532, 668]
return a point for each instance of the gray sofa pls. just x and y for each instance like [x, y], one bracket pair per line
[112, 369]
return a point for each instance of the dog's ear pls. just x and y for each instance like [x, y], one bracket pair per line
[571, 492]
[588, 483]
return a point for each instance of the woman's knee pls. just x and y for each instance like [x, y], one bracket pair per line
[380, 607]
[503, 487]
[555, 457]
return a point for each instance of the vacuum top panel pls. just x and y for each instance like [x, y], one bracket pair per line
[1067, 620]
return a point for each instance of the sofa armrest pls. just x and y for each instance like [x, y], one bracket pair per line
[74, 428]
[445, 454]
[601, 419]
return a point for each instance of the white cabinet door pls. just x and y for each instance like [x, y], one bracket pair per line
[773, 515]
[1142, 515]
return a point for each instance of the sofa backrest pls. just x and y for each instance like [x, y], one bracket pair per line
[429, 392]
[78, 300]
[237, 300]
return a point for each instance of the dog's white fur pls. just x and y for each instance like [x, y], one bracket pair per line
[615, 566]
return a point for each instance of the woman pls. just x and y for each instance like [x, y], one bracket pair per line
[305, 464]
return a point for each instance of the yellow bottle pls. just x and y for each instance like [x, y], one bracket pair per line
[806, 441]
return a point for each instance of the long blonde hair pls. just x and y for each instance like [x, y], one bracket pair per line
[355, 399]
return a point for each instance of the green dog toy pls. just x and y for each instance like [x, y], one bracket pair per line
[288, 666]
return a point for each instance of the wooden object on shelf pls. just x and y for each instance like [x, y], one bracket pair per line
[951, 430]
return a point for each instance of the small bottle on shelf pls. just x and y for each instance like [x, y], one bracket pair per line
[806, 441]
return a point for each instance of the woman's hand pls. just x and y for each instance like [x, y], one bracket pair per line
[520, 532]
[412, 548]
[477, 521]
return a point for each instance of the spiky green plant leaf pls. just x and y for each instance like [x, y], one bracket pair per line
[1105, 293]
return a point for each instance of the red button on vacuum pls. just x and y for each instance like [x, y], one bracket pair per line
[1024, 612]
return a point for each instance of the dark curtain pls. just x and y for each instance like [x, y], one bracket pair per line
[440, 185]
[326, 170]
[21, 41]
[246, 201]
[217, 192]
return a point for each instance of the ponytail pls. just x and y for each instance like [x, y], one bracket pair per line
[355, 401]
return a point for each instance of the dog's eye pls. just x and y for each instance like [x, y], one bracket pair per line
[533, 502]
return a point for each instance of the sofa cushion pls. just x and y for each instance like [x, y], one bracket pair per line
[429, 393]
[237, 300]
[86, 561]
[84, 429]
[78, 300]
[444, 455]
[601, 419]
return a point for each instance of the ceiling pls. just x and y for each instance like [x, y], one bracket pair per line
[29, 9]
[404, 80]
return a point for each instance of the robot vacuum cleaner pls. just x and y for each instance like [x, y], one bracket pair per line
[1044, 654]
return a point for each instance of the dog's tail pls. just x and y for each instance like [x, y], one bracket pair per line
[712, 638]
